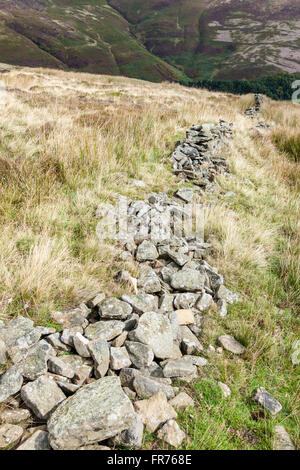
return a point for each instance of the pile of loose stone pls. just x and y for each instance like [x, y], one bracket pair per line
[258, 102]
[108, 374]
[197, 158]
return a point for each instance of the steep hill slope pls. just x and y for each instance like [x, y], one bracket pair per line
[73, 141]
[84, 35]
[154, 40]
[220, 39]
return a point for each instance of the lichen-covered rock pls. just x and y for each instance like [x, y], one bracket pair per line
[140, 354]
[131, 437]
[146, 387]
[114, 309]
[38, 441]
[105, 330]
[16, 329]
[141, 303]
[42, 396]
[119, 358]
[155, 411]
[188, 280]
[10, 383]
[81, 345]
[154, 329]
[96, 412]
[34, 363]
[99, 351]
[204, 302]
[186, 300]
[179, 368]
[146, 252]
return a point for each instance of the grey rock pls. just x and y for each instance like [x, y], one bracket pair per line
[95, 301]
[130, 393]
[96, 412]
[67, 387]
[188, 347]
[14, 330]
[23, 344]
[99, 351]
[231, 344]
[166, 303]
[119, 358]
[119, 341]
[154, 370]
[38, 441]
[146, 387]
[196, 360]
[149, 282]
[42, 396]
[222, 308]
[2, 352]
[179, 368]
[146, 251]
[168, 271]
[175, 326]
[226, 392]
[227, 295]
[10, 383]
[34, 363]
[179, 258]
[204, 302]
[262, 397]
[127, 376]
[131, 437]
[82, 374]
[185, 300]
[141, 303]
[58, 366]
[188, 280]
[106, 330]
[186, 194]
[72, 318]
[282, 439]
[140, 354]
[114, 309]
[55, 341]
[186, 334]
[81, 345]
[154, 329]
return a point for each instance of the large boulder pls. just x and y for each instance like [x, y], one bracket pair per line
[96, 412]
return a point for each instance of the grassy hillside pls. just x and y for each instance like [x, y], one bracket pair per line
[71, 140]
[219, 39]
[154, 40]
[84, 35]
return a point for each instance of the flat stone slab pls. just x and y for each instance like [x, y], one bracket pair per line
[106, 330]
[141, 303]
[231, 344]
[10, 383]
[38, 441]
[146, 387]
[282, 439]
[34, 363]
[114, 309]
[262, 397]
[182, 401]
[187, 280]
[119, 358]
[11, 416]
[96, 412]
[42, 396]
[179, 368]
[154, 329]
[140, 354]
[99, 351]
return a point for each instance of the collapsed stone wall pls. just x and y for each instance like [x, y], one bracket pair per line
[198, 158]
[109, 372]
[256, 109]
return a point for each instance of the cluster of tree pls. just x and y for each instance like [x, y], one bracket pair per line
[277, 87]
